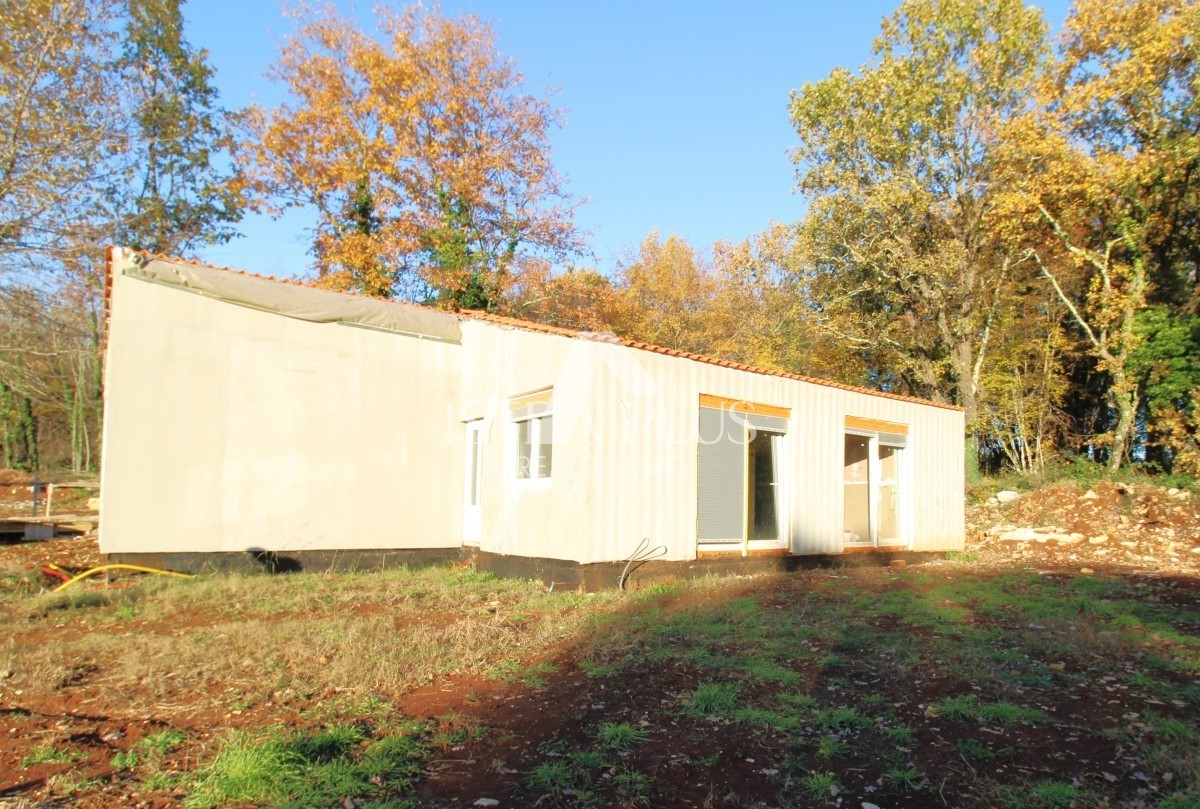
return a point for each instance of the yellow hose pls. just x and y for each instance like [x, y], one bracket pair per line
[137, 568]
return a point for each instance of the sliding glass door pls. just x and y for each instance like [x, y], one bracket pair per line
[741, 486]
[872, 489]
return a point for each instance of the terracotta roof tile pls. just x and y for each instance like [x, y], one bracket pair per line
[607, 338]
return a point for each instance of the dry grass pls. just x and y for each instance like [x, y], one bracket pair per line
[217, 641]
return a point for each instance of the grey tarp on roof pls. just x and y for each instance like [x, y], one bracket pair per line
[294, 300]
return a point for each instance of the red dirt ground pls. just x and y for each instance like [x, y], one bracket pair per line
[706, 762]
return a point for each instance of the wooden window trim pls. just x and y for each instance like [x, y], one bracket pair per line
[540, 396]
[875, 426]
[741, 406]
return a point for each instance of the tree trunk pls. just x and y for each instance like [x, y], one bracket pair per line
[964, 372]
[1126, 399]
[20, 430]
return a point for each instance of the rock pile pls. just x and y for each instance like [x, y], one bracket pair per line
[1110, 525]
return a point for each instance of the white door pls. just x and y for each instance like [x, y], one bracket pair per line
[473, 484]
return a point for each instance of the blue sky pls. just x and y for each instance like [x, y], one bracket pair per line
[676, 113]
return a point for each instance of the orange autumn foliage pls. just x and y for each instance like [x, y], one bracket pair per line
[426, 160]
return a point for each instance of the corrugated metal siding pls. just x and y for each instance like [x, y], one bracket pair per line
[626, 433]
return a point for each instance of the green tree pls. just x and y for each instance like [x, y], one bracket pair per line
[1106, 166]
[175, 195]
[898, 161]
[1166, 363]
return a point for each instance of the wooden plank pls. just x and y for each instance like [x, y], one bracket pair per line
[739, 406]
[876, 426]
[55, 519]
[738, 554]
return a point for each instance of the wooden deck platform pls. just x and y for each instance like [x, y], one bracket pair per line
[37, 528]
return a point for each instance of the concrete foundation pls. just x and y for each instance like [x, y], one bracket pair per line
[560, 574]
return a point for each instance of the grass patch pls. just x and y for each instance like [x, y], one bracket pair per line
[631, 785]
[802, 702]
[900, 735]
[819, 785]
[712, 699]
[836, 719]
[325, 767]
[620, 736]
[534, 676]
[832, 747]
[964, 707]
[1047, 794]
[906, 778]
[551, 775]
[149, 749]
[48, 753]
[972, 748]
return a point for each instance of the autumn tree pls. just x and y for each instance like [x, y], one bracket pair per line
[1106, 168]
[1025, 387]
[110, 134]
[60, 128]
[577, 298]
[762, 312]
[898, 163]
[62, 138]
[426, 160]
[665, 294]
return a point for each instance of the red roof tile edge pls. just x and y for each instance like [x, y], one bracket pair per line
[528, 325]
[737, 366]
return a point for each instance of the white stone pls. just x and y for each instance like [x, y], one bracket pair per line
[1098, 539]
[1172, 492]
[1090, 495]
[1007, 496]
[487, 802]
[1066, 539]
[1019, 535]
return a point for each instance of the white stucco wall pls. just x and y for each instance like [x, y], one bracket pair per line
[228, 428]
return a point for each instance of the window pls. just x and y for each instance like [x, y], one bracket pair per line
[741, 492]
[473, 484]
[857, 490]
[534, 423]
[873, 487]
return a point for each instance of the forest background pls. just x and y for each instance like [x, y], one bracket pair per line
[997, 215]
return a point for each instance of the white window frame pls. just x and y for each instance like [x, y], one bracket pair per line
[783, 497]
[476, 433]
[874, 473]
[537, 423]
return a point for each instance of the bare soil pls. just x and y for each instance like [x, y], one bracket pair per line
[1113, 656]
[1115, 527]
[16, 495]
